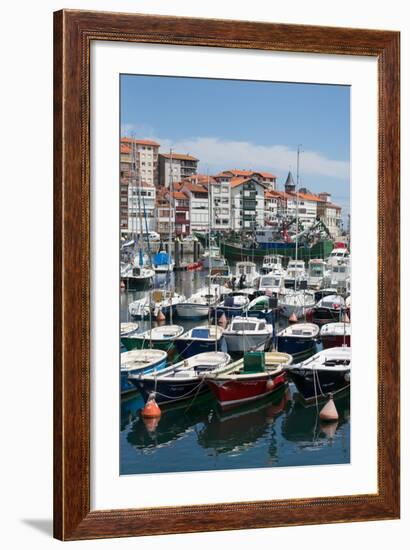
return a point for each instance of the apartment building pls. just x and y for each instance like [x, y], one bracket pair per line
[247, 203]
[267, 179]
[198, 205]
[330, 214]
[142, 152]
[141, 208]
[177, 165]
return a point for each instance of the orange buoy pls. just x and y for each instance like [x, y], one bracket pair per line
[329, 412]
[160, 316]
[151, 409]
[293, 318]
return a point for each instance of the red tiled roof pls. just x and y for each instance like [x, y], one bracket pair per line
[125, 148]
[266, 175]
[195, 188]
[246, 173]
[140, 141]
[179, 195]
[331, 205]
[238, 173]
[177, 156]
[201, 179]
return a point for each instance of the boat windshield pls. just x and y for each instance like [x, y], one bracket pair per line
[243, 325]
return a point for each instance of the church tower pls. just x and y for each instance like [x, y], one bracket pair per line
[290, 186]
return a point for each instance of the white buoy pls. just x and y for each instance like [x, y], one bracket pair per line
[329, 412]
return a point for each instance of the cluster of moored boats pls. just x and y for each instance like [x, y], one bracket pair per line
[241, 310]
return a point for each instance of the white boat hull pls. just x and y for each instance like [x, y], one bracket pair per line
[197, 311]
[243, 342]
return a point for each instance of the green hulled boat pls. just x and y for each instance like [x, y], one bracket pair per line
[157, 338]
[233, 249]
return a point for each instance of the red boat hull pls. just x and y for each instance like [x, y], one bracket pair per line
[335, 341]
[232, 393]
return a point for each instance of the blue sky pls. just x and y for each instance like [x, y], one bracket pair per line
[247, 124]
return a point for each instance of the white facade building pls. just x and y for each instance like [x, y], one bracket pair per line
[145, 154]
[198, 206]
[247, 204]
[141, 212]
[220, 204]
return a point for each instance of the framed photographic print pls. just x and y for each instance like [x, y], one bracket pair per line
[224, 192]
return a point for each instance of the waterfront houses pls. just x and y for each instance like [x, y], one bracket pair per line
[142, 152]
[183, 166]
[198, 205]
[247, 204]
[330, 214]
[233, 199]
[141, 208]
[165, 214]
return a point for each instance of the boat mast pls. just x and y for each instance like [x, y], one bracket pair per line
[171, 187]
[209, 251]
[133, 194]
[297, 207]
[138, 189]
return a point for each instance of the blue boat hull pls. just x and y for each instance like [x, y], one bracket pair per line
[170, 391]
[187, 348]
[326, 382]
[299, 348]
[127, 386]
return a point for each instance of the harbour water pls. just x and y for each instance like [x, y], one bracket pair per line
[193, 436]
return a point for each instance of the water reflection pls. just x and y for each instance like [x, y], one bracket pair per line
[242, 427]
[172, 425]
[303, 426]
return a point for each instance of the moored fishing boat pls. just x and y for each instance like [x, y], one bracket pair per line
[272, 262]
[316, 273]
[338, 275]
[182, 381]
[245, 273]
[197, 306]
[137, 277]
[325, 372]
[335, 334]
[248, 334]
[295, 274]
[128, 328]
[161, 337]
[297, 302]
[200, 339]
[162, 262]
[299, 340]
[338, 253]
[327, 310]
[231, 305]
[137, 362]
[212, 258]
[272, 283]
[254, 376]
[156, 301]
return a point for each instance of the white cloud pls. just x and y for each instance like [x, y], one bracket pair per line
[216, 154]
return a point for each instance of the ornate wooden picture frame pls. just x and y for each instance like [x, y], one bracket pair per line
[74, 33]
